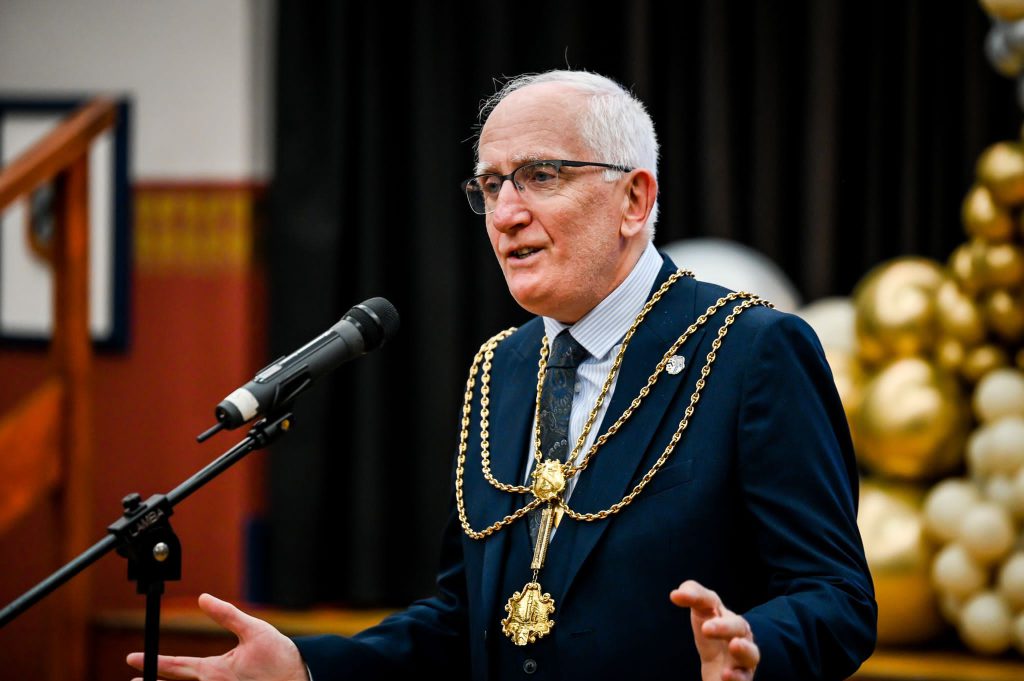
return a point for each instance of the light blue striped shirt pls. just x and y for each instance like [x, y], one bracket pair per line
[600, 331]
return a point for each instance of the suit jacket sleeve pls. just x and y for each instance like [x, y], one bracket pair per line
[799, 483]
[429, 634]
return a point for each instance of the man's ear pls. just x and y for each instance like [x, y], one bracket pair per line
[638, 201]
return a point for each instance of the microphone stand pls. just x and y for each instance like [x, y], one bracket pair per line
[144, 536]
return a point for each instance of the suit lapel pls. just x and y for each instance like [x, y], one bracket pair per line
[512, 403]
[614, 468]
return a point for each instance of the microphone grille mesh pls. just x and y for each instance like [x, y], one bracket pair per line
[384, 317]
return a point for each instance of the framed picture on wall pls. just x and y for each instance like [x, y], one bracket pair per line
[26, 280]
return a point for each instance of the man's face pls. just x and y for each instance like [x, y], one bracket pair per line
[560, 254]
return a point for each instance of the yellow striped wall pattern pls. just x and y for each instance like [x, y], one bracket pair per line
[195, 229]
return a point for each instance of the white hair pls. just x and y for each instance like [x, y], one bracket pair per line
[614, 125]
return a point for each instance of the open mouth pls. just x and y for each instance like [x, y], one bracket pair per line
[523, 253]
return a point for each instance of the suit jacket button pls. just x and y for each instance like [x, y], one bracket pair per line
[530, 665]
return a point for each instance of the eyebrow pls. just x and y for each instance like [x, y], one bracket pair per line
[517, 160]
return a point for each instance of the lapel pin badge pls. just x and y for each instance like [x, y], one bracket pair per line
[676, 363]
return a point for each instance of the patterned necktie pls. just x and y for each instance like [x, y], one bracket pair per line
[556, 404]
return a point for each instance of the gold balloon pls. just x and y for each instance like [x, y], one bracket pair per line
[912, 421]
[1007, 10]
[895, 307]
[1002, 265]
[959, 317]
[985, 218]
[849, 378]
[950, 354]
[962, 265]
[1004, 312]
[1001, 169]
[900, 560]
[981, 360]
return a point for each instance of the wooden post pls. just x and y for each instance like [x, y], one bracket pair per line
[72, 353]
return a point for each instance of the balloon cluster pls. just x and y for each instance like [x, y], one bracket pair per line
[928, 360]
[931, 370]
[908, 420]
[979, 573]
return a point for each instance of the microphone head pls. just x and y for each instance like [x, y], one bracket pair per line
[377, 320]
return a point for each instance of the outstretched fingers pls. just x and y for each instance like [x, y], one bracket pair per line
[170, 666]
[182, 668]
[694, 595]
[724, 639]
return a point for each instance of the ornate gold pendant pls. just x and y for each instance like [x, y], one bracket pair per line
[528, 615]
[548, 480]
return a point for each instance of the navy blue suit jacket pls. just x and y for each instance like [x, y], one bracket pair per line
[758, 502]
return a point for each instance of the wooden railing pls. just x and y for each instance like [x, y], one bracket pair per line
[46, 439]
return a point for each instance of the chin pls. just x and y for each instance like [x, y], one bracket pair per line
[547, 308]
[540, 296]
[532, 302]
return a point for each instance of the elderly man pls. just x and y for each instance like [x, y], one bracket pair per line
[644, 431]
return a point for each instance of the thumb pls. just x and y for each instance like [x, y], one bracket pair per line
[228, 616]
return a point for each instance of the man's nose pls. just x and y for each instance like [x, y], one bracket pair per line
[510, 211]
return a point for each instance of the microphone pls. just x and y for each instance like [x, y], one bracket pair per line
[365, 327]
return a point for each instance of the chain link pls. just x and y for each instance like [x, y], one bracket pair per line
[484, 356]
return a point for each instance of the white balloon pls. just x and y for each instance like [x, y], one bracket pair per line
[735, 266]
[1004, 445]
[1018, 494]
[956, 574]
[986, 532]
[999, 489]
[1011, 580]
[999, 393]
[986, 623]
[945, 506]
[834, 320]
[978, 447]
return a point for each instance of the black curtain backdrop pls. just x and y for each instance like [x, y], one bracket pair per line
[829, 135]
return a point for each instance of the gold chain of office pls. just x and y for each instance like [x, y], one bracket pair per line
[482, 361]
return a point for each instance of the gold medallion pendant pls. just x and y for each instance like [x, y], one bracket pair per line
[529, 611]
[528, 615]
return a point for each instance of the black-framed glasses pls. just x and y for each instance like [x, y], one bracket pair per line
[536, 178]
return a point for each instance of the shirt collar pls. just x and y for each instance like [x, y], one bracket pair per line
[603, 327]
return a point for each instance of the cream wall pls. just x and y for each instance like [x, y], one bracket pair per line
[198, 73]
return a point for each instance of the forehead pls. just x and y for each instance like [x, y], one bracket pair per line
[536, 122]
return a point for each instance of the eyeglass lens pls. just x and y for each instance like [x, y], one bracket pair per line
[532, 178]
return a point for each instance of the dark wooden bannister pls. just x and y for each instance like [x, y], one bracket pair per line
[46, 439]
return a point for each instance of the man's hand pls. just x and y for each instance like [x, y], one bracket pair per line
[724, 640]
[262, 654]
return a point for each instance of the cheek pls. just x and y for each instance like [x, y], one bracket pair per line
[492, 237]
